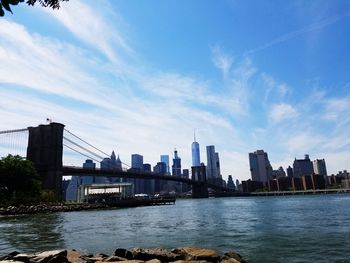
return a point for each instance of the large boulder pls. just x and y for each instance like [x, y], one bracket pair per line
[123, 253]
[126, 261]
[23, 257]
[230, 260]
[54, 256]
[196, 253]
[114, 259]
[74, 256]
[161, 254]
[232, 255]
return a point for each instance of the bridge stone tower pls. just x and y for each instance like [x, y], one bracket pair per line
[45, 150]
[200, 189]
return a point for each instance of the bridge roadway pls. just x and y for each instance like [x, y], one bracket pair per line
[79, 171]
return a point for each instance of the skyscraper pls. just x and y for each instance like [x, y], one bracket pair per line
[137, 165]
[160, 168]
[176, 168]
[195, 153]
[89, 164]
[165, 159]
[302, 167]
[149, 183]
[230, 183]
[238, 185]
[260, 167]
[211, 162]
[108, 163]
[289, 171]
[137, 161]
[217, 165]
[320, 168]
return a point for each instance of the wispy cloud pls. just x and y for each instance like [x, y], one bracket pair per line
[221, 60]
[288, 36]
[90, 26]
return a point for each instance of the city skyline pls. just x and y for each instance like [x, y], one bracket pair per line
[127, 80]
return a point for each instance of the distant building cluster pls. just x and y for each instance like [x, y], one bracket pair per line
[304, 175]
[75, 187]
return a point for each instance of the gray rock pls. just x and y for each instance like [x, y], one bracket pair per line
[196, 253]
[23, 257]
[156, 253]
[10, 261]
[230, 260]
[54, 256]
[74, 256]
[234, 255]
[124, 253]
[126, 261]
[11, 255]
[153, 261]
[114, 259]
[190, 261]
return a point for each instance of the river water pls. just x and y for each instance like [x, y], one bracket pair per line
[313, 228]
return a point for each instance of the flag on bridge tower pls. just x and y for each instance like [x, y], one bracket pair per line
[49, 120]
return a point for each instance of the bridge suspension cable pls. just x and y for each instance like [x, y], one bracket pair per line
[92, 146]
[71, 148]
[90, 152]
[13, 142]
[12, 131]
[76, 136]
[82, 147]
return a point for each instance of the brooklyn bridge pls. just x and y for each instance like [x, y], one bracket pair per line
[45, 148]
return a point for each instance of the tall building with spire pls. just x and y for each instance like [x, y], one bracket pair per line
[195, 152]
[176, 167]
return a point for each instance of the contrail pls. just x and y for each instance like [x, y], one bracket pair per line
[315, 26]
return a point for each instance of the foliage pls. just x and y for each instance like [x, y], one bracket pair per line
[19, 181]
[48, 196]
[6, 4]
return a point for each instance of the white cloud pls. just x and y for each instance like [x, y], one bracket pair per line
[273, 89]
[46, 65]
[86, 23]
[281, 112]
[337, 109]
[221, 60]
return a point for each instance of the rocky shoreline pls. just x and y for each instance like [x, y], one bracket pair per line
[48, 208]
[136, 255]
[61, 207]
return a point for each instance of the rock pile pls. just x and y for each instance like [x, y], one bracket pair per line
[43, 208]
[136, 255]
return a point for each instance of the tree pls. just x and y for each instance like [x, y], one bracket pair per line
[19, 181]
[6, 4]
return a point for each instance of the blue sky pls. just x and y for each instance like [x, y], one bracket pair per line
[140, 76]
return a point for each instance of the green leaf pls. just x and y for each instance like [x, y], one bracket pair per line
[6, 5]
[2, 13]
[13, 2]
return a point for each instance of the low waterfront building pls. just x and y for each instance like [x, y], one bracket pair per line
[252, 186]
[91, 193]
